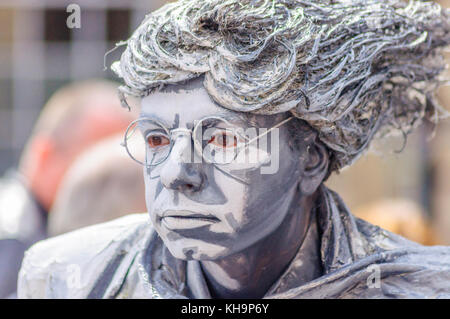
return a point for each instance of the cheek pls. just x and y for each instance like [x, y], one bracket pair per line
[233, 211]
[151, 188]
[267, 191]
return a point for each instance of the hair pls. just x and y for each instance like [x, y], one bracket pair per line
[350, 69]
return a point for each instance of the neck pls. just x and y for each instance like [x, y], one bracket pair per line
[251, 272]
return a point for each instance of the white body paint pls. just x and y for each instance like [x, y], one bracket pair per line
[239, 223]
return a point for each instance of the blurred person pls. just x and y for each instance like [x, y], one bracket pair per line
[74, 118]
[400, 216]
[103, 184]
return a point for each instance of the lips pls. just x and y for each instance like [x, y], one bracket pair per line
[186, 219]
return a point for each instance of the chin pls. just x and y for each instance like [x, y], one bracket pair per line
[204, 251]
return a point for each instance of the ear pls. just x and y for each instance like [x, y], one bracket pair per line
[39, 153]
[315, 168]
[39, 168]
[43, 148]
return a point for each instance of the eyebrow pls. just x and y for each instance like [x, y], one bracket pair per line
[176, 121]
[157, 118]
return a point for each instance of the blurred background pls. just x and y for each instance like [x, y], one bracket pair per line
[407, 192]
[39, 54]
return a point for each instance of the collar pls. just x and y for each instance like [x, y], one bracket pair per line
[340, 245]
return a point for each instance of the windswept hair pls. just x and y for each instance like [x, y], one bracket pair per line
[349, 68]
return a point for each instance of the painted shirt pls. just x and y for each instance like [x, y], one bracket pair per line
[126, 258]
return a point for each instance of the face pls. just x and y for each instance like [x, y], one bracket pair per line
[203, 210]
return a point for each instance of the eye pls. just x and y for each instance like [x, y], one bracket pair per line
[154, 141]
[224, 140]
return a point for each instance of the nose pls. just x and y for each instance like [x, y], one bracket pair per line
[179, 172]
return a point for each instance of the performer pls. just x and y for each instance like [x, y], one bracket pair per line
[319, 80]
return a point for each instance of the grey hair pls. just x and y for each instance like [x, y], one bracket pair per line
[351, 69]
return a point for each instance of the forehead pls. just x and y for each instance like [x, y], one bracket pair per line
[181, 105]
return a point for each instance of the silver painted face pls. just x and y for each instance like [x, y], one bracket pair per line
[200, 210]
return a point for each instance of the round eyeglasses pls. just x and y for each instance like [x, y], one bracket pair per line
[216, 140]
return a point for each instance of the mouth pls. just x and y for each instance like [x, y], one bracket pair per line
[186, 220]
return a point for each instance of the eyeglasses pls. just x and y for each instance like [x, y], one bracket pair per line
[216, 140]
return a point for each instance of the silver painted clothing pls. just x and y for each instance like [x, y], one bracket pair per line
[127, 259]
[22, 223]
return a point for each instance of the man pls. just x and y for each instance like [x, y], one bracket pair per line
[74, 118]
[233, 215]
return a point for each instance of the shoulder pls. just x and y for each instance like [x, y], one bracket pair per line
[426, 275]
[53, 267]
[407, 269]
